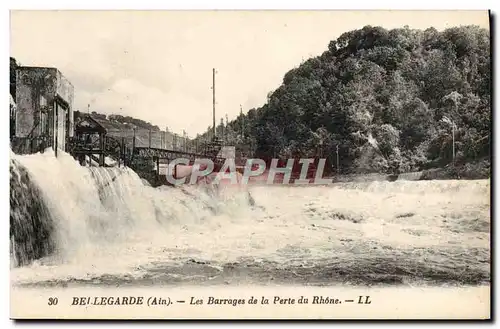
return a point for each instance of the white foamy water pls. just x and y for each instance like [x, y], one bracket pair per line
[110, 223]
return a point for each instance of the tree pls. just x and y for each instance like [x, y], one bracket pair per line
[379, 95]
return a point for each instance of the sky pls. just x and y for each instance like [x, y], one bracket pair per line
[157, 65]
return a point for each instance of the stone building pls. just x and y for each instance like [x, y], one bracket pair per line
[44, 110]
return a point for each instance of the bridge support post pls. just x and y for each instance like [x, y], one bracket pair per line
[101, 146]
[122, 152]
[158, 166]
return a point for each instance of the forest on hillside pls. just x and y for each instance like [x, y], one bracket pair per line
[386, 98]
[119, 122]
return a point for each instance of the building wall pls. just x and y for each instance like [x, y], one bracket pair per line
[38, 87]
[65, 90]
[34, 87]
[61, 127]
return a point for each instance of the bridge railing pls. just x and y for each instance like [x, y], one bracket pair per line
[156, 139]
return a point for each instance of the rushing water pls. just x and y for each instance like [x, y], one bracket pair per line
[80, 225]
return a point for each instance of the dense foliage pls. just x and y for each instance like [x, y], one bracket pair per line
[386, 98]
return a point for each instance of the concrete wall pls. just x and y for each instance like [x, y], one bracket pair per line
[65, 90]
[61, 127]
[37, 88]
[34, 87]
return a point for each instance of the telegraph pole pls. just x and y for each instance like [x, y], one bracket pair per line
[166, 133]
[338, 162]
[213, 100]
[242, 123]
[184, 137]
[453, 139]
[133, 143]
[449, 121]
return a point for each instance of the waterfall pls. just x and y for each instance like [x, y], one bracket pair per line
[62, 209]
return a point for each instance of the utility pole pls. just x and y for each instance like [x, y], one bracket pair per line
[213, 100]
[133, 143]
[453, 139]
[184, 137]
[242, 123]
[449, 121]
[166, 134]
[222, 130]
[338, 162]
[455, 98]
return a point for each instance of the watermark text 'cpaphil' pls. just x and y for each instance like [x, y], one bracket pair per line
[254, 171]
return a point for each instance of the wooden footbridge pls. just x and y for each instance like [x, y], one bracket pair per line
[93, 143]
[148, 162]
[118, 150]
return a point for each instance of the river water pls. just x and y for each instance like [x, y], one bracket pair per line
[104, 227]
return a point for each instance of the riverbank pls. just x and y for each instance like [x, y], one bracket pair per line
[467, 171]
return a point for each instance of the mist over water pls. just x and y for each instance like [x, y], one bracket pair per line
[107, 227]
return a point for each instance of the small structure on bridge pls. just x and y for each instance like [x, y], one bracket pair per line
[89, 140]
